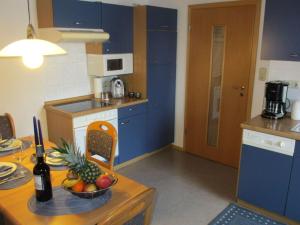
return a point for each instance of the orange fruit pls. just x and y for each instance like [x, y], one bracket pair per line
[78, 187]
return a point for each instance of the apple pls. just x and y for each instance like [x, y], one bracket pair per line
[104, 181]
[90, 188]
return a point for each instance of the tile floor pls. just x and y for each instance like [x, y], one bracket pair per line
[191, 190]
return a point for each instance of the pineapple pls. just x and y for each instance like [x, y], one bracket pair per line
[77, 162]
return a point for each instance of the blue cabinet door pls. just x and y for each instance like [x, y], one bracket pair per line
[264, 178]
[132, 137]
[117, 20]
[162, 46]
[293, 202]
[281, 34]
[161, 105]
[76, 14]
[161, 18]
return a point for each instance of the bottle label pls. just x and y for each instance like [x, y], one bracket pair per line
[38, 183]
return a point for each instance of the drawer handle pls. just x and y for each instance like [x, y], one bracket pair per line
[294, 54]
[164, 26]
[130, 109]
[78, 23]
[125, 122]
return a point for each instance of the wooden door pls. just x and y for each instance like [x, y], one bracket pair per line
[221, 48]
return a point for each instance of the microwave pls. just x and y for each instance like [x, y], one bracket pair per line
[110, 64]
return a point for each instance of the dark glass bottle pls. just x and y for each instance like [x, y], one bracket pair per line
[41, 173]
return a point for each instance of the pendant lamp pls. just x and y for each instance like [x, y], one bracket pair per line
[32, 50]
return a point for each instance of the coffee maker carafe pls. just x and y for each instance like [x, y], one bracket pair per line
[275, 100]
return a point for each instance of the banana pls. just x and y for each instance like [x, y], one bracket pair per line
[70, 182]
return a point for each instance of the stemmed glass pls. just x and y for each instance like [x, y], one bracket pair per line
[19, 156]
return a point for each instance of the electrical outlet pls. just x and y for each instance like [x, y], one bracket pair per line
[262, 74]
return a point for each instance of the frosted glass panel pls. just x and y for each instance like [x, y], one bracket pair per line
[218, 43]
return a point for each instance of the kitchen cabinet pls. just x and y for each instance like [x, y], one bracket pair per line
[264, 178]
[159, 18]
[281, 33]
[117, 20]
[293, 207]
[161, 76]
[76, 14]
[132, 132]
[162, 47]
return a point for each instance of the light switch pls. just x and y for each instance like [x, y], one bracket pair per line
[262, 74]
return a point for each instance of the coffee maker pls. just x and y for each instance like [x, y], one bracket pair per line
[275, 100]
[117, 88]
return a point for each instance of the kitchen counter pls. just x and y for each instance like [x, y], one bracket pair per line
[83, 105]
[281, 127]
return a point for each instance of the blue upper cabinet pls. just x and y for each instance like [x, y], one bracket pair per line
[161, 18]
[117, 20]
[281, 34]
[77, 14]
[162, 47]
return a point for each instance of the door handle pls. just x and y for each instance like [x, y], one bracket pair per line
[125, 122]
[241, 88]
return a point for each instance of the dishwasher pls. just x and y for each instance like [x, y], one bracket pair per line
[265, 168]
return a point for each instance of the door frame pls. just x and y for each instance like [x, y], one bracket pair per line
[257, 4]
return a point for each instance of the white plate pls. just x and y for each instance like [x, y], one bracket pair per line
[8, 172]
[15, 143]
[54, 160]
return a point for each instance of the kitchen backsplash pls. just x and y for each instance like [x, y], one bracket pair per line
[66, 77]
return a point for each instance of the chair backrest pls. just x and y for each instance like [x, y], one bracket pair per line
[101, 140]
[7, 127]
[137, 211]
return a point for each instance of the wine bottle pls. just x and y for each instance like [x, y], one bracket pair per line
[42, 181]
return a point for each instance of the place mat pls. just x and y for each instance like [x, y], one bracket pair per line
[234, 214]
[19, 182]
[64, 203]
[26, 144]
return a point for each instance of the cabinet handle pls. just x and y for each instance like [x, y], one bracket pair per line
[78, 23]
[130, 109]
[125, 122]
[164, 26]
[294, 54]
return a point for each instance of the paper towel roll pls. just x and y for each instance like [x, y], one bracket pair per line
[98, 87]
[296, 110]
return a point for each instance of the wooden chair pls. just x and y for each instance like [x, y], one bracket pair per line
[137, 211]
[101, 139]
[7, 127]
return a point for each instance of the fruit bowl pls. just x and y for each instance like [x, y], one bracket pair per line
[90, 194]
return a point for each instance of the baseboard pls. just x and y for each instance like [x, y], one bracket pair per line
[127, 163]
[177, 148]
[264, 212]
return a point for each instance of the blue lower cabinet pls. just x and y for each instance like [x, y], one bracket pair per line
[160, 128]
[132, 137]
[264, 178]
[293, 203]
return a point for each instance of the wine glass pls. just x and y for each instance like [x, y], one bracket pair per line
[19, 155]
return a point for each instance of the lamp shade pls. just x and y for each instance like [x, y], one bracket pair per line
[31, 46]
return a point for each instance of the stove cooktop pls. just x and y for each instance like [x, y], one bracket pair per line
[81, 106]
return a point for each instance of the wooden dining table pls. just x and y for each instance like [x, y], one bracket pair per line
[13, 202]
